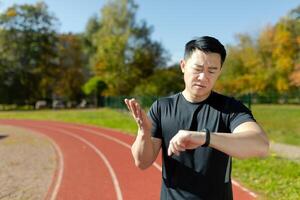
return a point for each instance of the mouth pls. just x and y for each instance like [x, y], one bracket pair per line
[199, 86]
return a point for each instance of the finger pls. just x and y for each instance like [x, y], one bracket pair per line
[139, 114]
[173, 150]
[143, 115]
[133, 107]
[176, 152]
[177, 147]
[169, 151]
[127, 104]
[180, 142]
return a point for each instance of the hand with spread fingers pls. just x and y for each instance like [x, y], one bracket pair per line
[139, 115]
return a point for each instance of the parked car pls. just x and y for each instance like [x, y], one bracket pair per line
[40, 104]
[58, 104]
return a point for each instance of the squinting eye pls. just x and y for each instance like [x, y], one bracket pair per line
[197, 70]
[211, 72]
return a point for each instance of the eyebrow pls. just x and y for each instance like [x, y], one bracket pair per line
[211, 67]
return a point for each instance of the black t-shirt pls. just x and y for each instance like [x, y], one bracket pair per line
[202, 173]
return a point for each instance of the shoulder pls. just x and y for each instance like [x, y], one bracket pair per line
[227, 104]
[161, 107]
[164, 104]
[169, 100]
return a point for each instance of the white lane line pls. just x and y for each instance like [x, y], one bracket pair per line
[60, 170]
[56, 180]
[244, 189]
[155, 164]
[99, 153]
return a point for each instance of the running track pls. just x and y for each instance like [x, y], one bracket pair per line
[96, 163]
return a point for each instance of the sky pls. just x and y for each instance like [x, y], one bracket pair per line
[175, 22]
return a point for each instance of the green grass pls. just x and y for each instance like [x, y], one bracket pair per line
[105, 117]
[272, 178]
[281, 122]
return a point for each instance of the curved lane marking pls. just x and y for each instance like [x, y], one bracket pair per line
[98, 152]
[59, 171]
[155, 164]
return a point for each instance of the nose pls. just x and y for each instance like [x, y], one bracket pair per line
[201, 76]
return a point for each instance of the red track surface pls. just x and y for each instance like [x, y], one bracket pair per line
[96, 163]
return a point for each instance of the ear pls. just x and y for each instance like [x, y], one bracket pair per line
[182, 65]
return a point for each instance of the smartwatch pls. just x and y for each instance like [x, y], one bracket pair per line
[207, 137]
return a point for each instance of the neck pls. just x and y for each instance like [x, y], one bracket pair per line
[194, 98]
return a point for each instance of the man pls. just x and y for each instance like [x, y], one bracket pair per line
[198, 130]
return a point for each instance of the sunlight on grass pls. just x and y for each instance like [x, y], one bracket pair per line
[281, 122]
[110, 118]
[273, 178]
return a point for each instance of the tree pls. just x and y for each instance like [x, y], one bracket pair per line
[94, 86]
[27, 53]
[125, 54]
[89, 45]
[283, 54]
[294, 17]
[243, 69]
[268, 64]
[72, 72]
[162, 82]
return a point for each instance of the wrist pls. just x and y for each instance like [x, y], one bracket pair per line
[197, 137]
[143, 133]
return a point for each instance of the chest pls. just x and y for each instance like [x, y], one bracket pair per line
[195, 119]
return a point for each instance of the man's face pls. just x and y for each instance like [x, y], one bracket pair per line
[201, 71]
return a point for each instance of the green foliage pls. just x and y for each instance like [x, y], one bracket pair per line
[163, 82]
[267, 64]
[94, 84]
[27, 53]
[38, 63]
[71, 72]
[89, 46]
[124, 54]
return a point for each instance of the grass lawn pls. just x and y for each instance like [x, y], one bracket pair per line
[111, 118]
[281, 122]
[272, 178]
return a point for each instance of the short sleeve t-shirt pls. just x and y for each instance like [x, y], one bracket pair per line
[202, 173]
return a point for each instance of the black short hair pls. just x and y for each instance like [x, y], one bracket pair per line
[206, 44]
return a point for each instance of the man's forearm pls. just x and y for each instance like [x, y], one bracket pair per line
[143, 150]
[241, 145]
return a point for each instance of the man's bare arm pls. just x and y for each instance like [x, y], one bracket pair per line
[145, 148]
[247, 140]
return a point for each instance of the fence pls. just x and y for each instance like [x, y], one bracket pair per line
[146, 101]
[118, 101]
